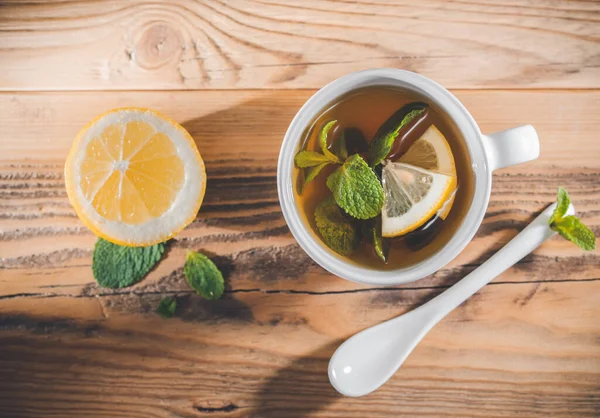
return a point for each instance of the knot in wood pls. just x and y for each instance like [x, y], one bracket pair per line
[158, 44]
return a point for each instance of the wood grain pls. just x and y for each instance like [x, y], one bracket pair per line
[238, 134]
[502, 354]
[524, 346]
[41, 126]
[185, 44]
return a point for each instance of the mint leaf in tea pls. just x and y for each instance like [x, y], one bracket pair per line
[323, 136]
[340, 149]
[388, 133]
[372, 234]
[337, 230]
[383, 177]
[356, 188]
[307, 159]
[312, 173]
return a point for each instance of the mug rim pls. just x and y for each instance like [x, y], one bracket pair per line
[464, 122]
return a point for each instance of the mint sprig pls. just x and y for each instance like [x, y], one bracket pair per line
[570, 227]
[314, 161]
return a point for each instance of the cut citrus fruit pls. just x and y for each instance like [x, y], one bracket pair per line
[135, 177]
[432, 152]
[412, 196]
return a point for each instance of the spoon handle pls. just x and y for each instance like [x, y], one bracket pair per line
[524, 243]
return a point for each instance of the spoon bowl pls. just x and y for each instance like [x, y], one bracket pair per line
[371, 357]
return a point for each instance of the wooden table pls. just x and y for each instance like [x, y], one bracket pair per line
[234, 73]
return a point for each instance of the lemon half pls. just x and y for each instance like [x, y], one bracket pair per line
[135, 177]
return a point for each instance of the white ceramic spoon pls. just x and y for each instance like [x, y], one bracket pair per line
[367, 360]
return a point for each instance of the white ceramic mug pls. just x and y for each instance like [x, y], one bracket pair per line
[487, 153]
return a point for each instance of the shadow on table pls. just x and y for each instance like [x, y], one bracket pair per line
[249, 129]
[300, 389]
[240, 147]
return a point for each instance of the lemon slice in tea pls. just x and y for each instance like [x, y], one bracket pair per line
[432, 152]
[135, 177]
[412, 196]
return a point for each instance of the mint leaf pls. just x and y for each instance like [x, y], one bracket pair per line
[167, 306]
[339, 147]
[204, 277]
[312, 173]
[387, 134]
[115, 266]
[562, 205]
[380, 244]
[323, 142]
[310, 159]
[572, 229]
[337, 231]
[356, 188]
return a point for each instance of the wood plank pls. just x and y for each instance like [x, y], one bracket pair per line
[38, 127]
[184, 44]
[504, 353]
[45, 250]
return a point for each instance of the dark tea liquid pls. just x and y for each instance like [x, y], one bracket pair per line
[367, 109]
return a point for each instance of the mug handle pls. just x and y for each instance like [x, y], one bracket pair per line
[512, 146]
